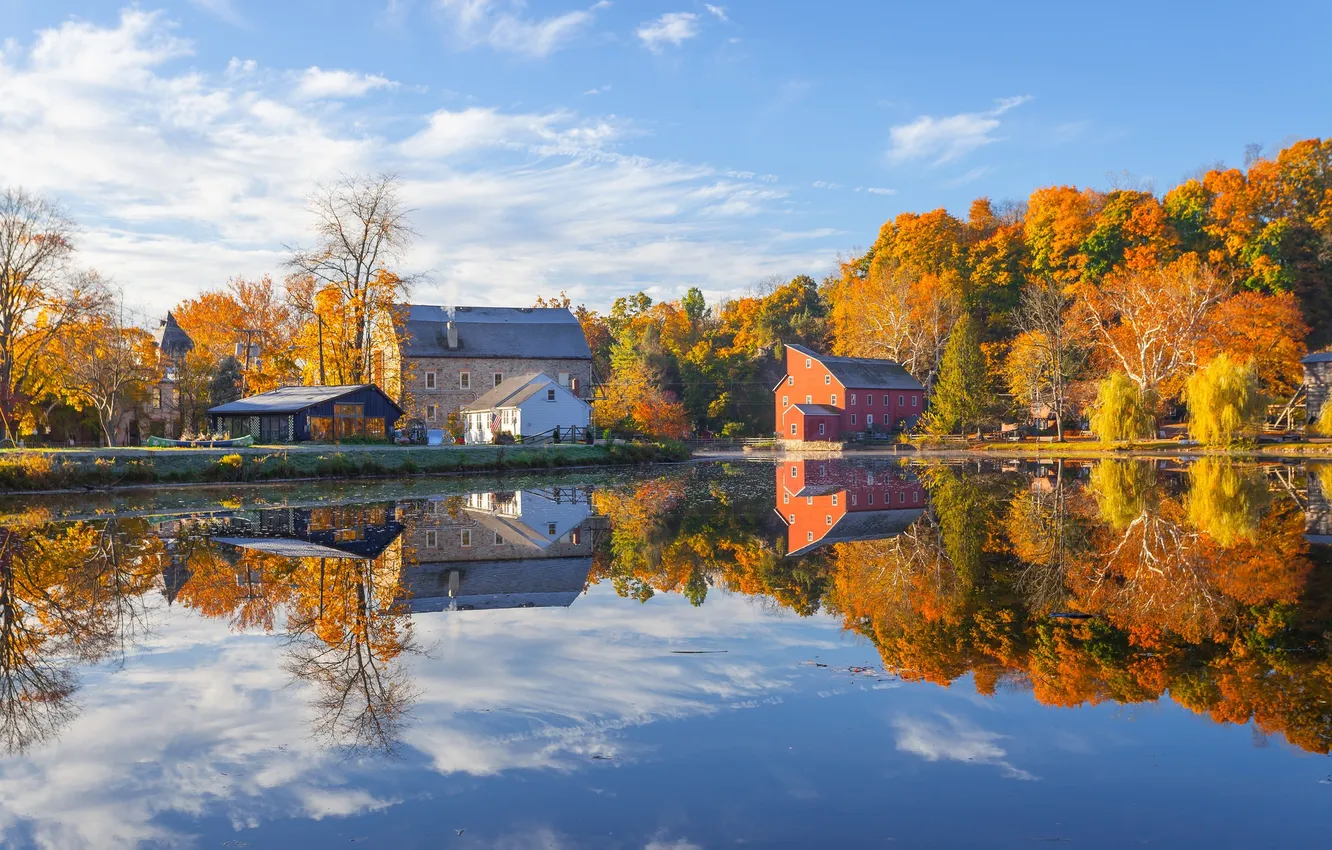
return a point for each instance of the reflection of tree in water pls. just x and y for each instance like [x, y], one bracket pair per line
[69, 594]
[347, 630]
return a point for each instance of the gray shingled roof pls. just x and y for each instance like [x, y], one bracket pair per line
[171, 339]
[864, 373]
[1318, 357]
[519, 332]
[525, 583]
[514, 391]
[864, 525]
[291, 399]
[817, 410]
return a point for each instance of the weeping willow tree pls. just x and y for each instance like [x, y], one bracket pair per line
[1223, 400]
[1123, 411]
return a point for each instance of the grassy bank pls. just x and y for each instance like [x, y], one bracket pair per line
[1073, 448]
[26, 471]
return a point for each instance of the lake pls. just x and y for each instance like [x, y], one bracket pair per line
[859, 652]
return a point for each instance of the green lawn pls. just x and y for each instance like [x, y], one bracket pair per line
[52, 469]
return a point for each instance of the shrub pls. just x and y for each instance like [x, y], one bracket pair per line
[1122, 410]
[1324, 423]
[1223, 400]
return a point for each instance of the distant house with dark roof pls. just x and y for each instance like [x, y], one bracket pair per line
[295, 414]
[829, 398]
[160, 416]
[528, 405]
[443, 358]
[1317, 383]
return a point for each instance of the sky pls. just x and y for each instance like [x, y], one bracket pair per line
[602, 148]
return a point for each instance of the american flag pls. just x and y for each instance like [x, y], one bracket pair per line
[494, 422]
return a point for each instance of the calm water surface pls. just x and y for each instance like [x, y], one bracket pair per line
[838, 653]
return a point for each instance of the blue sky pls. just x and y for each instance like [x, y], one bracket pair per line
[605, 147]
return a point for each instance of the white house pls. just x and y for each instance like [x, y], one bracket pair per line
[527, 405]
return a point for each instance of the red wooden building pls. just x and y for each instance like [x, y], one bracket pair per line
[830, 398]
[838, 501]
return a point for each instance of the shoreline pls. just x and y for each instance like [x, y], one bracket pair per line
[60, 472]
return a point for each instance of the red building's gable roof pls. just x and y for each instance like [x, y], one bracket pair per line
[863, 373]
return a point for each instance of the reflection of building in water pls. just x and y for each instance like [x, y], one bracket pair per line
[836, 501]
[1318, 512]
[524, 549]
[341, 531]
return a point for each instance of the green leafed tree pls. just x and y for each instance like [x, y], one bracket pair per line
[962, 394]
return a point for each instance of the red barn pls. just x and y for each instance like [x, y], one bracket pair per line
[830, 398]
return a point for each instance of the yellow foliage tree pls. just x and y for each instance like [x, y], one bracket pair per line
[1223, 400]
[1122, 410]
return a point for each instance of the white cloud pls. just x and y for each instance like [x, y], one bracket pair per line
[718, 12]
[598, 89]
[954, 739]
[479, 22]
[950, 137]
[672, 28]
[317, 83]
[181, 174]
[824, 184]
[875, 190]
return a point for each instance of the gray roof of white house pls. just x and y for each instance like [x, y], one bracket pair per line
[522, 583]
[518, 332]
[514, 391]
[864, 373]
[289, 399]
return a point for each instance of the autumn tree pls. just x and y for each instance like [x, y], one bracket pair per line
[1223, 400]
[1050, 336]
[1151, 324]
[104, 363]
[253, 312]
[40, 294]
[361, 233]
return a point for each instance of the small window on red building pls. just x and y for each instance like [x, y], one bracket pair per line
[827, 379]
[901, 401]
[790, 380]
[914, 399]
[853, 399]
[869, 399]
[808, 363]
[853, 419]
[793, 429]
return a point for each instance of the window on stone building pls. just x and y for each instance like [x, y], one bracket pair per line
[465, 380]
[465, 537]
[430, 380]
[157, 398]
[564, 379]
[432, 539]
[499, 379]
[432, 412]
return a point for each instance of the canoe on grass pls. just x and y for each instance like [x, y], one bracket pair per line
[163, 443]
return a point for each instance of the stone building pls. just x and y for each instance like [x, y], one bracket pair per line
[161, 415]
[1317, 383]
[441, 358]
